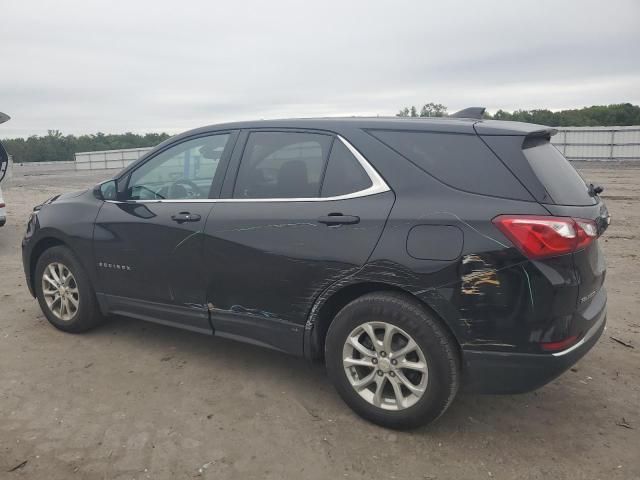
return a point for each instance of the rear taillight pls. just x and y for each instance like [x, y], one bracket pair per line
[541, 237]
[2, 205]
[561, 345]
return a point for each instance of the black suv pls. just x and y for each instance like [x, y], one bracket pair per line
[414, 256]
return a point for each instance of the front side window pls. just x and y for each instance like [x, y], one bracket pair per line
[282, 165]
[184, 171]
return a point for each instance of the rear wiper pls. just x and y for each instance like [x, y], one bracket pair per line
[595, 189]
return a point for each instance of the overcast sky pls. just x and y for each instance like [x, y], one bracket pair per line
[148, 65]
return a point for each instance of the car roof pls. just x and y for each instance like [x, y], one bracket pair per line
[435, 124]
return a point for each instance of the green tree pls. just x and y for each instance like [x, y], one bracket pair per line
[597, 115]
[427, 110]
[55, 146]
[433, 110]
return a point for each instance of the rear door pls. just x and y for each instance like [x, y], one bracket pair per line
[303, 210]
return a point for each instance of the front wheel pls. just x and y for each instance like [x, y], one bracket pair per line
[64, 291]
[391, 361]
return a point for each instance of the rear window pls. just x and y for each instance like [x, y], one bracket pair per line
[557, 175]
[461, 161]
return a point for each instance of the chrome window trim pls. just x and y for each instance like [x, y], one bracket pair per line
[378, 185]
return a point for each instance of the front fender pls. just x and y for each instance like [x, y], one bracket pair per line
[68, 221]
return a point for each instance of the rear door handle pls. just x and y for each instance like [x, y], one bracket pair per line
[339, 219]
[185, 217]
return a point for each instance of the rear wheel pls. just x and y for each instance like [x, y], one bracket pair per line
[64, 291]
[392, 361]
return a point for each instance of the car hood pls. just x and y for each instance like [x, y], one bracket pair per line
[57, 198]
[68, 195]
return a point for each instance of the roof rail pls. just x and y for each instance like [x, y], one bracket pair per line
[471, 112]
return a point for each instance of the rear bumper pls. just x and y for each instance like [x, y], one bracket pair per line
[504, 372]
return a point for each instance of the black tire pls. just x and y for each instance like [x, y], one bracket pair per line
[88, 314]
[436, 343]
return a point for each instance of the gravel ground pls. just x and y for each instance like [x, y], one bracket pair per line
[138, 400]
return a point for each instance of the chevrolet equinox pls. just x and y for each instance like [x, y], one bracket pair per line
[413, 256]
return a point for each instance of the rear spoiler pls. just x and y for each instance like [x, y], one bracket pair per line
[538, 137]
[543, 132]
[4, 117]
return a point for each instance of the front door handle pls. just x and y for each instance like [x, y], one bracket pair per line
[185, 217]
[338, 219]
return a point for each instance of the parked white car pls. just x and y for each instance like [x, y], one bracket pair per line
[3, 215]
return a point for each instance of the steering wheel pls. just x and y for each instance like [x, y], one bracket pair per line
[177, 189]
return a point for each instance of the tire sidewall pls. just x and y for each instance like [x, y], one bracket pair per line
[415, 321]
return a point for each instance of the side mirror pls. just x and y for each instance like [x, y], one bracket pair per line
[106, 190]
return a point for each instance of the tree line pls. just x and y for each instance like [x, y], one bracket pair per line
[54, 146]
[598, 115]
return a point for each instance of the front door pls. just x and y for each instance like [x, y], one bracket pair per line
[306, 211]
[148, 244]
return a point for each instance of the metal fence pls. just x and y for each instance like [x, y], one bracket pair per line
[116, 159]
[599, 143]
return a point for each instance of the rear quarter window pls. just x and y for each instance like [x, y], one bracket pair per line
[344, 173]
[563, 183]
[460, 161]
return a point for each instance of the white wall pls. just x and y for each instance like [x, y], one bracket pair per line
[116, 159]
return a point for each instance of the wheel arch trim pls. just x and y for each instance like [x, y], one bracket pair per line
[46, 239]
[335, 297]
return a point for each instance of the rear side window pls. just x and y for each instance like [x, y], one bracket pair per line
[556, 174]
[344, 173]
[461, 161]
[282, 165]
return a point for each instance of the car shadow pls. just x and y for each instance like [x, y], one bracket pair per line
[307, 384]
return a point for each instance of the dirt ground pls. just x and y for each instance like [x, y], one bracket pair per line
[138, 400]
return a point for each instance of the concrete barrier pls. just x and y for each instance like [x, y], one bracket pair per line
[33, 168]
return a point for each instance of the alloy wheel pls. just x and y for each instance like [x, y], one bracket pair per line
[385, 366]
[60, 291]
